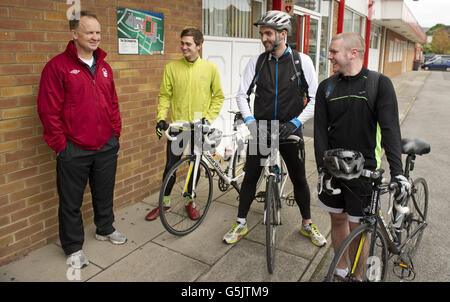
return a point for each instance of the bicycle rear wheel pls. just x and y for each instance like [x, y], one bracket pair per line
[353, 256]
[272, 220]
[178, 186]
[418, 214]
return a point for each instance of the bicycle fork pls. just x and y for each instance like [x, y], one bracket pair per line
[192, 173]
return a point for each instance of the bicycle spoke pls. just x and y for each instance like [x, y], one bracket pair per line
[178, 184]
[352, 262]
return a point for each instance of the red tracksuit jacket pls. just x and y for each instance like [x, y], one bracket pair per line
[73, 105]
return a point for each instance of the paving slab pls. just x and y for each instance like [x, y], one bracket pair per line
[153, 263]
[47, 264]
[246, 262]
[205, 243]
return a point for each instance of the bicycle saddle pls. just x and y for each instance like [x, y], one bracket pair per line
[415, 146]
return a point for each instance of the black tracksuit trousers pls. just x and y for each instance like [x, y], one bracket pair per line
[74, 167]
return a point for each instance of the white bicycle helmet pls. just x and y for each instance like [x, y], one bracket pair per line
[276, 19]
[343, 164]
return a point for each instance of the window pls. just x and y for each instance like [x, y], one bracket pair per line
[396, 50]
[309, 4]
[354, 22]
[231, 18]
[375, 36]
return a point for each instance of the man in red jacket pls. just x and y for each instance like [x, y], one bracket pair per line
[78, 107]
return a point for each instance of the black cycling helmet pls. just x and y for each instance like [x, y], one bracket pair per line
[343, 164]
[276, 19]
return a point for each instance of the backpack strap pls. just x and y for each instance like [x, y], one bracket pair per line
[259, 64]
[297, 62]
[372, 82]
[332, 82]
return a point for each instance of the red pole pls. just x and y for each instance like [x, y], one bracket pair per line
[368, 25]
[307, 27]
[340, 25]
[299, 19]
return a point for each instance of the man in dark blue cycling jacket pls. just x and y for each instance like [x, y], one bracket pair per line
[279, 97]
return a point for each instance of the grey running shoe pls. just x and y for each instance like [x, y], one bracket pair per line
[77, 260]
[115, 238]
[236, 232]
[313, 233]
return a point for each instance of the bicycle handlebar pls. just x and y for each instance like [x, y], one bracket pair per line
[197, 123]
[374, 175]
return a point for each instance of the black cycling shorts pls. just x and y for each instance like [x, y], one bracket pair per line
[354, 197]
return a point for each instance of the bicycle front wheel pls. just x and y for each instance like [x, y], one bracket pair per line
[352, 262]
[181, 208]
[272, 220]
[418, 215]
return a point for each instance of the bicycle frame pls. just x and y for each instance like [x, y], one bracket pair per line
[222, 174]
[199, 153]
[376, 217]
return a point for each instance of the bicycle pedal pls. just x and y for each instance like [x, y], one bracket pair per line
[406, 271]
[290, 201]
[260, 196]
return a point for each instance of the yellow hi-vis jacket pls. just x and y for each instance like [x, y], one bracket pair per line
[193, 89]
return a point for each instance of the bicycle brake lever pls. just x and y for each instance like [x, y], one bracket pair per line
[391, 202]
[401, 209]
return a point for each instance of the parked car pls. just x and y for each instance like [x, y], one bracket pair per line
[439, 64]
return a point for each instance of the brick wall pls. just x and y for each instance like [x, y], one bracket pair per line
[31, 33]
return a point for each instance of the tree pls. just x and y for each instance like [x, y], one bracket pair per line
[441, 41]
[431, 30]
[427, 48]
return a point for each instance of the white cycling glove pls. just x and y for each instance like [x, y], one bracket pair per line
[324, 185]
[404, 187]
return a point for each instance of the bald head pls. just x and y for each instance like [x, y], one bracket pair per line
[351, 41]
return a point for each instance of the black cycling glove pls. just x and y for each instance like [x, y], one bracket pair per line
[161, 126]
[286, 129]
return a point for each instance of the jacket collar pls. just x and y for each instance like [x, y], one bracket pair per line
[192, 63]
[363, 72]
[288, 50]
[72, 52]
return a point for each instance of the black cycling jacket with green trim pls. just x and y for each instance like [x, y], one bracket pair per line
[345, 120]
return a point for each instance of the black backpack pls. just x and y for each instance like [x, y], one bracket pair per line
[296, 61]
[371, 88]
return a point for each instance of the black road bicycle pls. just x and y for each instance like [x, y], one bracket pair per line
[365, 253]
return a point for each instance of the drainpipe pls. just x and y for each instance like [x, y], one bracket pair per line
[340, 25]
[368, 25]
[277, 4]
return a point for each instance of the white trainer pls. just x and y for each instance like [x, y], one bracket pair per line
[115, 237]
[77, 260]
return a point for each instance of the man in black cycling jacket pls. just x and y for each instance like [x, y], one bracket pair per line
[344, 118]
[278, 97]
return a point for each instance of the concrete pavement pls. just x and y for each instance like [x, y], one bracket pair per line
[152, 254]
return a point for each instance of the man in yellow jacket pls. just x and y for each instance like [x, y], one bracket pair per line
[191, 86]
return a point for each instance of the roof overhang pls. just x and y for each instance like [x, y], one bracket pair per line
[396, 16]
